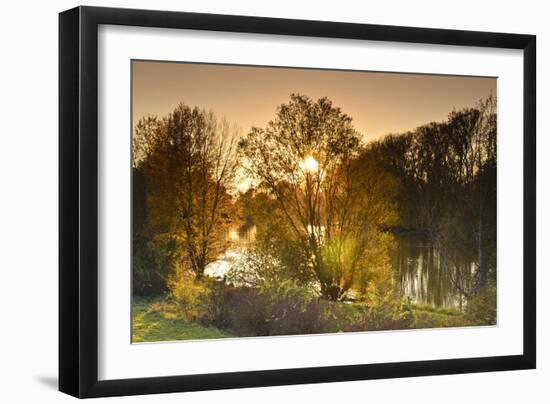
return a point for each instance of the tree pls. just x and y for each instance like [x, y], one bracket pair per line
[153, 251]
[189, 163]
[471, 227]
[447, 175]
[274, 239]
[305, 159]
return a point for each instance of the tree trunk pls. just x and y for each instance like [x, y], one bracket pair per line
[481, 276]
[332, 292]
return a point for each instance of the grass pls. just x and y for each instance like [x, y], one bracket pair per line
[154, 321]
[438, 310]
[158, 320]
[426, 316]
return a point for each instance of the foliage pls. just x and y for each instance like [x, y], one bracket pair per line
[276, 243]
[429, 318]
[188, 164]
[380, 310]
[191, 295]
[447, 189]
[325, 209]
[305, 159]
[293, 309]
[153, 261]
[255, 268]
[481, 308]
[159, 321]
[283, 308]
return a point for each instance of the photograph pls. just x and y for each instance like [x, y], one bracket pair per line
[287, 201]
[245, 202]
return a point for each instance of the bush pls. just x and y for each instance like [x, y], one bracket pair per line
[381, 311]
[481, 308]
[294, 309]
[152, 262]
[274, 308]
[191, 296]
[282, 307]
[232, 308]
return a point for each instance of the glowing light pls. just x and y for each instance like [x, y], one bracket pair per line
[233, 235]
[309, 164]
[244, 185]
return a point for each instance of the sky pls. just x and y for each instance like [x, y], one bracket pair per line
[379, 103]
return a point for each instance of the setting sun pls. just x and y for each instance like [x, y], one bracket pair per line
[309, 164]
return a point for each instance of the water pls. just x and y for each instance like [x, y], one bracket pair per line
[239, 242]
[420, 275]
[417, 268]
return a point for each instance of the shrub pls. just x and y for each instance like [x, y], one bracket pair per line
[152, 262]
[481, 308]
[405, 315]
[381, 311]
[274, 308]
[233, 308]
[192, 296]
[294, 309]
[283, 307]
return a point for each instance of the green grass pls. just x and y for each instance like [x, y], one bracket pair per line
[426, 316]
[159, 320]
[154, 321]
[449, 311]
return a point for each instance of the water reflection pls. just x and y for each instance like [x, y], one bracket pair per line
[420, 275]
[416, 263]
[240, 240]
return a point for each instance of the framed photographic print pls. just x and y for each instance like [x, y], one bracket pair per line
[251, 201]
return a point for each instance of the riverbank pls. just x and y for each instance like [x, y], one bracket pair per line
[433, 317]
[156, 320]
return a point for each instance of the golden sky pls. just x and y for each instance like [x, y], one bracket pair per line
[379, 103]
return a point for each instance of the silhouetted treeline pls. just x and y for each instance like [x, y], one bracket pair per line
[448, 182]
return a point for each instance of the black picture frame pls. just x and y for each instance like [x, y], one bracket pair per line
[78, 201]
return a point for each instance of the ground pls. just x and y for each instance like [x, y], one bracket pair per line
[150, 322]
[154, 321]
[430, 317]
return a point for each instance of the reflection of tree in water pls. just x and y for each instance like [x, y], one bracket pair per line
[420, 275]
